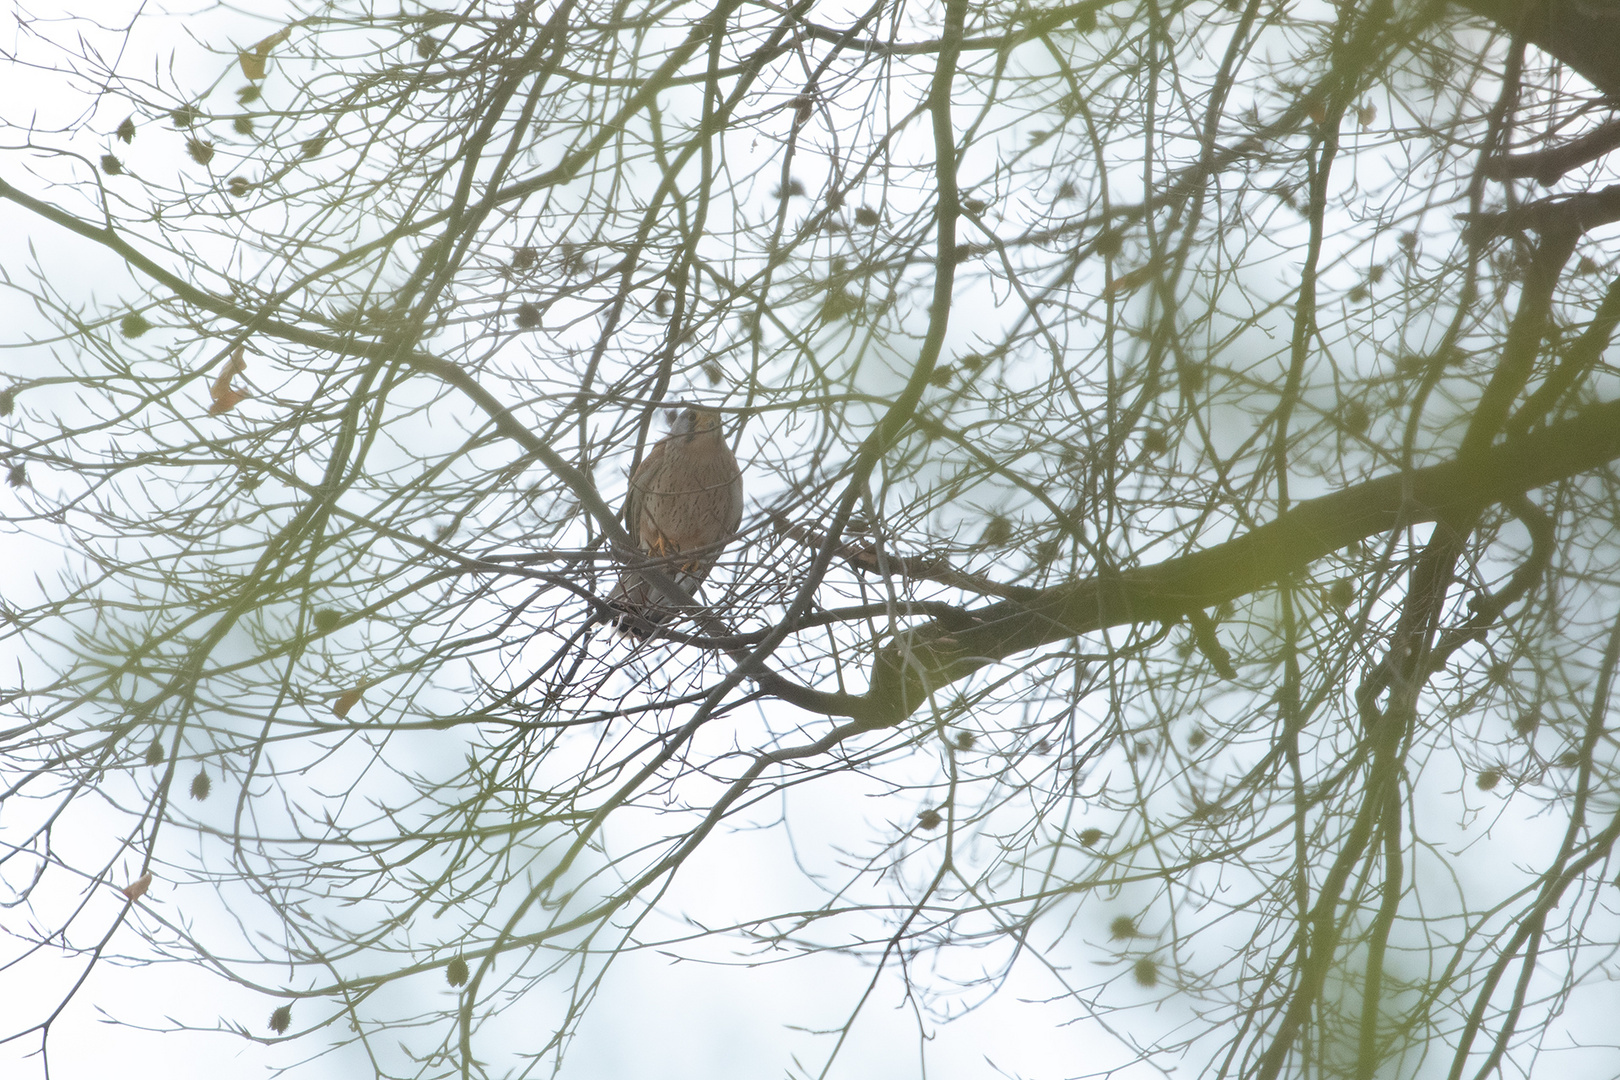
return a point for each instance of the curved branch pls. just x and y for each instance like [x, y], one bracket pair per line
[1584, 36]
[933, 655]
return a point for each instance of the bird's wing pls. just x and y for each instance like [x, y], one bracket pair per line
[635, 507]
[736, 493]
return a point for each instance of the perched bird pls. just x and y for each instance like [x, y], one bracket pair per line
[684, 504]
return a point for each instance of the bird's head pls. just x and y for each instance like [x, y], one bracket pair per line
[693, 420]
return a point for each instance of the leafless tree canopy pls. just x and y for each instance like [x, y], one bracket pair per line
[1180, 512]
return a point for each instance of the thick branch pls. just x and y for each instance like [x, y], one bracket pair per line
[1585, 36]
[1549, 166]
[1575, 214]
[934, 655]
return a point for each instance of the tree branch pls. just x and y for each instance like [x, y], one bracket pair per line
[934, 654]
[1585, 36]
[1549, 166]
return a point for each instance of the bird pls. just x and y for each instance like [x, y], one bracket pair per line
[684, 503]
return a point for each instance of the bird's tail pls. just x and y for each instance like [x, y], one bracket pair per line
[642, 607]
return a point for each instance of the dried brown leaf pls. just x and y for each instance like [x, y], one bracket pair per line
[253, 61]
[137, 888]
[1130, 282]
[225, 397]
